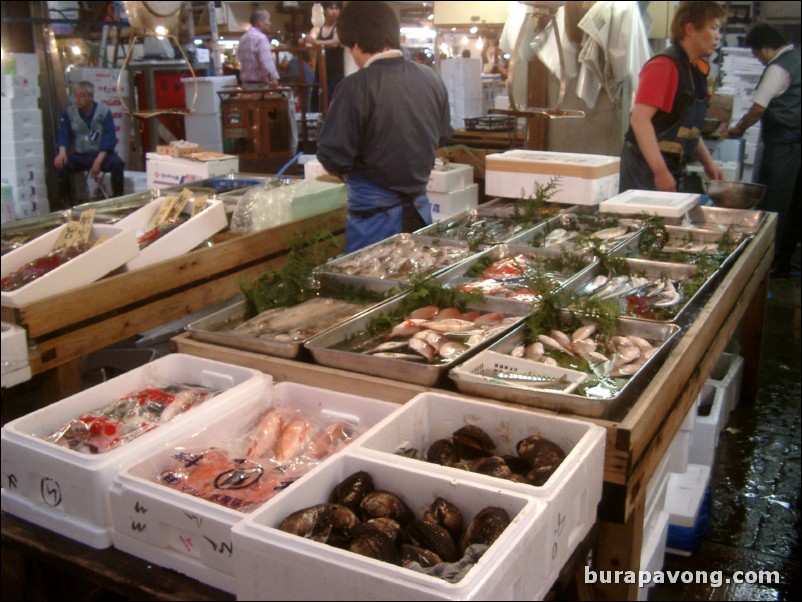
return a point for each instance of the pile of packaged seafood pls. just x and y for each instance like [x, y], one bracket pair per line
[570, 309]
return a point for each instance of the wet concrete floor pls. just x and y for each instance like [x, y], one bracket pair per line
[755, 484]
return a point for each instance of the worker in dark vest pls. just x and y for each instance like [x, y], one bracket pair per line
[776, 104]
[670, 105]
[87, 141]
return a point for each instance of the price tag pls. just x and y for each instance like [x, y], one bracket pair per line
[199, 204]
[76, 231]
[164, 211]
[183, 199]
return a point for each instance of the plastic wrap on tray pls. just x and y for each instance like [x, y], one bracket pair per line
[128, 417]
[281, 444]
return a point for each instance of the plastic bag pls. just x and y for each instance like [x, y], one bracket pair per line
[266, 206]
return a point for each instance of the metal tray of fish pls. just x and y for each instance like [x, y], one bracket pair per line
[689, 245]
[575, 230]
[503, 279]
[478, 227]
[339, 347]
[652, 291]
[546, 211]
[720, 219]
[593, 399]
[284, 336]
[394, 260]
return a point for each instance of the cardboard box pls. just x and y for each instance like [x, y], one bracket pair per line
[572, 492]
[119, 247]
[511, 568]
[164, 171]
[67, 491]
[584, 179]
[193, 535]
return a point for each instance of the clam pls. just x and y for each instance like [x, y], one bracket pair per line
[376, 544]
[431, 536]
[425, 558]
[352, 489]
[383, 504]
[314, 522]
[471, 441]
[543, 455]
[444, 513]
[494, 466]
[485, 527]
[443, 452]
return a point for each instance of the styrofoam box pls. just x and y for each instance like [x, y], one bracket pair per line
[704, 439]
[27, 63]
[208, 101]
[652, 202]
[313, 169]
[67, 491]
[274, 565]
[18, 119]
[572, 492]
[104, 79]
[18, 103]
[192, 535]
[456, 176]
[584, 179]
[164, 171]
[25, 133]
[119, 247]
[752, 153]
[23, 148]
[205, 129]
[34, 165]
[656, 494]
[18, 81]
[16, 368]
[178, 241]
[446, 204]
[653, 551]
[727, 375]
[685, 494]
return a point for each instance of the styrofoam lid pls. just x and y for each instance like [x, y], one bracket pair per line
[665, 204]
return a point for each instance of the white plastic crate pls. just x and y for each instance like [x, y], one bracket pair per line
[67, 491]
[455, 176]
[119, 247]
[584, 179]
[706, 429]
[727, 375]
[274, 565]
[572, 492]
[178, 241]
[192, 535]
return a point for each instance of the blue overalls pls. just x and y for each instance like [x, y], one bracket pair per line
[376, 212]
[677, 132]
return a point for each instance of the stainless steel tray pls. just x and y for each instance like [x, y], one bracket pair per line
[580, 221]
[573, 403]
[679, 236]
[480, 227]
[391, 277]
[720, 219]
[682, 314]
[217, 328]
[396, 369]
[453, 276]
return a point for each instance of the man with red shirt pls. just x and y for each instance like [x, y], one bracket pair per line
[670, 105]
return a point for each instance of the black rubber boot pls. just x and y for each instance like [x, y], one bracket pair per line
[65, 196]
[117, 184]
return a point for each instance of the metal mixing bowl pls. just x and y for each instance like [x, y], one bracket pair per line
[735, 195]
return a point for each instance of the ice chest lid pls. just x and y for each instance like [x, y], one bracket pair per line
[665, 204]
[558, 164]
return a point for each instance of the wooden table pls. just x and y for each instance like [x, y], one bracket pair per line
[634, 447]
[636, 444]
[64, 327]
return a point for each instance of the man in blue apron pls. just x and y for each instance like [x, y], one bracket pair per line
[383, 129]
[670, 105]
[87, 131]
[777, 104]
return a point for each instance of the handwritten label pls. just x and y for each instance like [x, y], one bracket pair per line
[50, 491]
[164, 211]
[76, 231]
[199, 204]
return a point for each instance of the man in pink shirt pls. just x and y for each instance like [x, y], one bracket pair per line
[257, 64]
[670, 105]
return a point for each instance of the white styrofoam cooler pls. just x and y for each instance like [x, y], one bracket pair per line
[584, 179]
[664, 204]
[455, 176]
[653, 551]
[680, 447]
[16, 368]
[164, 171]
[192, 535]
[727, 375]
[67, 491]
[447, 204]
[274, 565]
[119, 247]
[572, 492]
[685, 494]
[178, 241]
[706, 429]
[207, 101]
